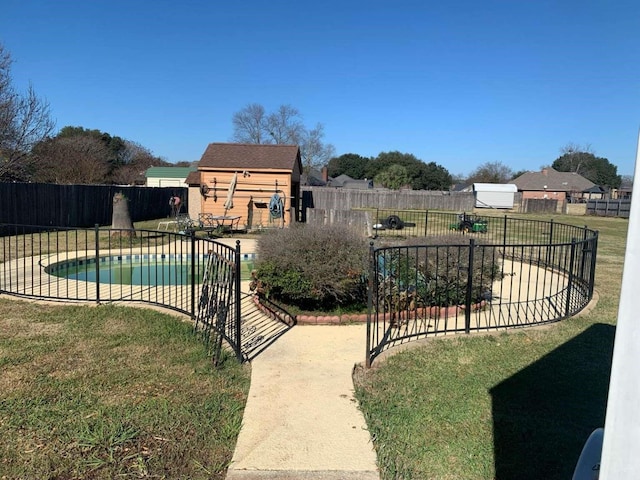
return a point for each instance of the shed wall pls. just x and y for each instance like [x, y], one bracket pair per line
[489, 199]
[252, 194]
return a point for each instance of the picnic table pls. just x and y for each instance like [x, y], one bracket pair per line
[218, 223]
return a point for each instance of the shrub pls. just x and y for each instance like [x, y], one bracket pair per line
[433, 271]
[313, 266]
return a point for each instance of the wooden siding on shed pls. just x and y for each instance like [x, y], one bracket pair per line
[258, 187]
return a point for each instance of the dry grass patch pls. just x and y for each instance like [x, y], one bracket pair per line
[113, 392]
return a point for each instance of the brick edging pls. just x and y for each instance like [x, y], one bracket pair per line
[310, 319]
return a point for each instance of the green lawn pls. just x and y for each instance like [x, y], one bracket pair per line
[112, 392]
[516, 405]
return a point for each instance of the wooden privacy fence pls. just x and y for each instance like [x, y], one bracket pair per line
[348, 199]
[609, 208]
[81, 205]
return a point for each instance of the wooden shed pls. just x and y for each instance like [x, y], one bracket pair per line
[494, 195]
[250, 186]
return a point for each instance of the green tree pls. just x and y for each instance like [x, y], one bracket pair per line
[350, 164]
[422, 176]
[491, 172]
[519, 173]
[394, 177]
[583, 161]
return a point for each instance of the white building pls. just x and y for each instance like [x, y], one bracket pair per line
[494, 195]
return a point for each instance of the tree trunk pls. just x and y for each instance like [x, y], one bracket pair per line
[121, 219]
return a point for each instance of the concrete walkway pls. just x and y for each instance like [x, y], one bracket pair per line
[301, 420]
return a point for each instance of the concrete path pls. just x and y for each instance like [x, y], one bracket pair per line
[301, 420]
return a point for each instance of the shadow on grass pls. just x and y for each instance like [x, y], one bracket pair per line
[543, 415]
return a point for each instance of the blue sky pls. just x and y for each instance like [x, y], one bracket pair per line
[460, 83]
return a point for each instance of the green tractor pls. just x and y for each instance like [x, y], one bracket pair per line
[470, 224]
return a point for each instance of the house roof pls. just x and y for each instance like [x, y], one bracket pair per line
[169, 172]
[241, 156]
[345, 181]
[552, 180]
[313, 178]
[193, 179]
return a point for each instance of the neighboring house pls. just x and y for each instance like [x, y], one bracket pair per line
[345, 181]
[594, 193]
[266, 191]
[315, 178]
[462, 187]
[320, 178]
[167, 176]
[551, 184]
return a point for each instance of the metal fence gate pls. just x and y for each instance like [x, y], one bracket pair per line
[218, 314]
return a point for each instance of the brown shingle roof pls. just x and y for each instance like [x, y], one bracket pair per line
[193, 178]
[553, 181]
[240, 156]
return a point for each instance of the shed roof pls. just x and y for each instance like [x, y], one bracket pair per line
[495, 187]
[169, 172]
[242, 156]
[193, 179]
[551, 179]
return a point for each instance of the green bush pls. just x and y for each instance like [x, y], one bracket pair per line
[313, 266]
[433, 271]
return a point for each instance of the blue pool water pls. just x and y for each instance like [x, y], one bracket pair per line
[160, 269]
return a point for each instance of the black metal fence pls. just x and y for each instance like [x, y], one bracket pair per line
[195, 276]
[502, 273]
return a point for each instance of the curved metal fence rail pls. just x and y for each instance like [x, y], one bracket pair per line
[194, 276]
[509, 273]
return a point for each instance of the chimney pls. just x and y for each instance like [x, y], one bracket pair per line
[545, 172]
[325, 174]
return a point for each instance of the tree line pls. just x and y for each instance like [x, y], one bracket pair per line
[397, 170]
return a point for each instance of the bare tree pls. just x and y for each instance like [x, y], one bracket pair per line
[253, 125]
[25, 120]
[285, 126]
[575, 156]
[314, 152]
[136, 159]
[491, 172]
[250, 124]
[78, 159]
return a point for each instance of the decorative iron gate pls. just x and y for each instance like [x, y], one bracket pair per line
[219, 309]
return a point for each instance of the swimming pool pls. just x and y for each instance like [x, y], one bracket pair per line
[144, 269]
